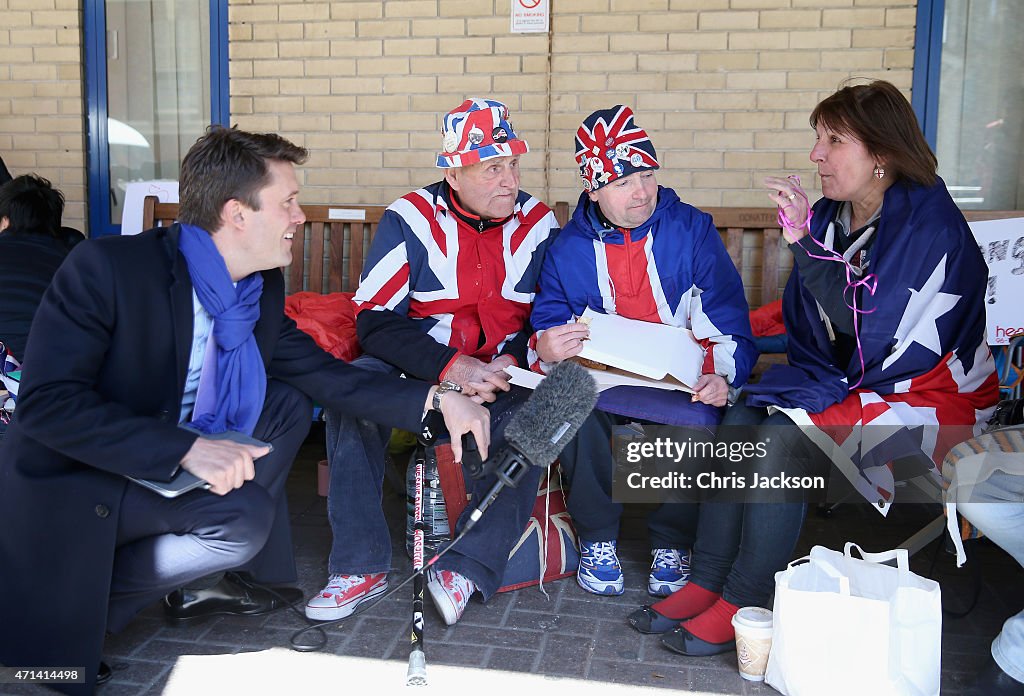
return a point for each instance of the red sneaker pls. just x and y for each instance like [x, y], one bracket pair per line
[344, 594]
[450, 592]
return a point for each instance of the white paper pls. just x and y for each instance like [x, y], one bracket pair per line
[605, 379]
[654, 351]
[1002, 244]
[524, 378]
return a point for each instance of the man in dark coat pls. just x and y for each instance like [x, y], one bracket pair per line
[136, 336]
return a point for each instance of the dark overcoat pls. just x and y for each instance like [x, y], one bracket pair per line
[103, 380]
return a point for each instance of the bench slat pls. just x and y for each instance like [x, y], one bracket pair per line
[770, 265]
[734, 245]
[315, 263]
[357, 233]
[335, 278]
[294, 275]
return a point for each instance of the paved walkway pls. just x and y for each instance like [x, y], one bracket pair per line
[566, 642]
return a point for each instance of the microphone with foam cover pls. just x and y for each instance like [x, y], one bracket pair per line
[554, 412]
[542, 427]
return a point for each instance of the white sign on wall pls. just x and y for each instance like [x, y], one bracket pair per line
[530, 16]
[1002, 244]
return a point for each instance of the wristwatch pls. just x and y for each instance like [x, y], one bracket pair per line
[443, 388]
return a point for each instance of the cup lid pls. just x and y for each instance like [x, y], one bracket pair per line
[754, 617]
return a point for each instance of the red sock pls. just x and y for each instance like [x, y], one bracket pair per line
[687, 602]
[715, 624]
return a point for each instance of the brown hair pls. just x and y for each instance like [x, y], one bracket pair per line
[229, 164]
[878, 115]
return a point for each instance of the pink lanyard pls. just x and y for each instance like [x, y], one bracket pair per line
[868, 282]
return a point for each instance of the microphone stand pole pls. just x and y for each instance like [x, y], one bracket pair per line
[417, 673]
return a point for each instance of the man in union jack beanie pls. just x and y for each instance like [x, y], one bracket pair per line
[445, 296]
[634, 249]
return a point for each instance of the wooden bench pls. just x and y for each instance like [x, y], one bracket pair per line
[330, 248]
[344, 232]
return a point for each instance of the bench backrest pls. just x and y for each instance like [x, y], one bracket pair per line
[328, 251]
[330, 248]
[752, 238]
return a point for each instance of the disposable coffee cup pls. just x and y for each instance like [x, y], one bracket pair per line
[753, 626]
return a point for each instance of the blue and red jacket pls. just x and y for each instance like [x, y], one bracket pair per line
[673, 270]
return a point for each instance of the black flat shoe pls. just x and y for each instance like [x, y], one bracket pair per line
[993, 681]
[103, 674]
[685, 643]
[231, 596]
[647, 620]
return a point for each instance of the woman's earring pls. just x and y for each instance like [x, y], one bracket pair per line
[879, 172]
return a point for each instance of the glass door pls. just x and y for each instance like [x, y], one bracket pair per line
[156, 74]
[980, 128]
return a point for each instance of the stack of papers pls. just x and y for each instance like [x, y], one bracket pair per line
[637, 353]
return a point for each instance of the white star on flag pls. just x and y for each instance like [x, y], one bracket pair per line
[918, 324]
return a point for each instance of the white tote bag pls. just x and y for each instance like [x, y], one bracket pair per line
[843, 625]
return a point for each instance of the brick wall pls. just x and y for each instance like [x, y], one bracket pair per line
[724, 87]
[41, 96]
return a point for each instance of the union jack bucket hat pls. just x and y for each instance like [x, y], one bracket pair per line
[478, 130]
[609, 145]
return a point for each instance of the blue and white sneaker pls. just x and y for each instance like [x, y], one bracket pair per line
[670, 571]
[599, 570]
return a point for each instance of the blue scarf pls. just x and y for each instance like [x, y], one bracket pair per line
[234, 381]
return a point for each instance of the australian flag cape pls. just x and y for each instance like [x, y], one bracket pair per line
[929, 381]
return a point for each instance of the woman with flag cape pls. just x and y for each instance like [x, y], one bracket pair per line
[887, 354]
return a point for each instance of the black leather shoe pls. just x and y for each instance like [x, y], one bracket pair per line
[103, 674]
[685, 643]
[993, 681]
[647, 620]
[233, 595]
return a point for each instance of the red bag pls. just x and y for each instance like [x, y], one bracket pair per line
[767, 320]
[546, 551]
[329, 319]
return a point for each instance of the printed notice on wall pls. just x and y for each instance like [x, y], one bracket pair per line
[1002, 244]
[530, 16]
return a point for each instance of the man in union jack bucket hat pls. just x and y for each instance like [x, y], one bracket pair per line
[445, 296]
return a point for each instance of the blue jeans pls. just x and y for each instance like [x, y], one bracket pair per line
[588, 466]
[997, 509]
[362, 539]
[741, 545]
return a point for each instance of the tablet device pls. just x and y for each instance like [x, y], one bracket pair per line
[184, 481]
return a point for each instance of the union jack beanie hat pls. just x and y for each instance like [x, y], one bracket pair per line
[478, 130]
[609, 146]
